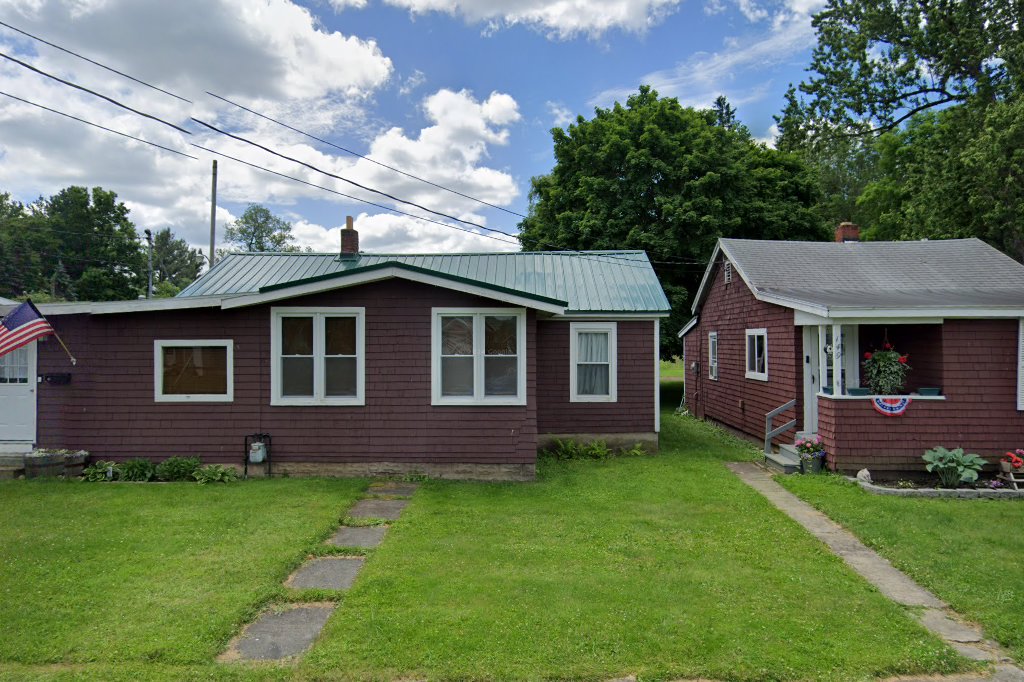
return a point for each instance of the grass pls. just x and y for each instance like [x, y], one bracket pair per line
[968, 552]
[672, 371]
[662, 566]
[149, 573]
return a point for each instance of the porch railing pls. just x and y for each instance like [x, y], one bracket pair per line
[769, 432]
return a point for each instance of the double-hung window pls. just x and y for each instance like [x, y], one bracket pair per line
[193, 371]
[593, 362]
[317, 356]
[713, 355]
[757, 354]
[478, 356]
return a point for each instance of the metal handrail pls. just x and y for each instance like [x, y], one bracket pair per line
[770, 433]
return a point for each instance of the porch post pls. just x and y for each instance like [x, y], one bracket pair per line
[837, 360]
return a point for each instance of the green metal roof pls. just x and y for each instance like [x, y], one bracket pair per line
[584, 281]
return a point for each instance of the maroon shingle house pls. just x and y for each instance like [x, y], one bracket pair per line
[450, 365]
[768, 316]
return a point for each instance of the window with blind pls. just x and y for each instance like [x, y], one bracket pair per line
[479, 356]
[317, 356]
[593, 351]
[193, 371]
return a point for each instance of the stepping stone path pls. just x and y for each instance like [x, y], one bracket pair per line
[278, 633]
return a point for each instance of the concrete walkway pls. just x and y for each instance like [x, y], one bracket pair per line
[934, 614]
[281, 633]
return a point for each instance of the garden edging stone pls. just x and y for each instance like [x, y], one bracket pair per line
[959, 493]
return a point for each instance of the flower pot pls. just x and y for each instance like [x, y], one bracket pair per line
[1007, 468]
[858, 390]
[929, 390]
[812, 465]
[74, 464]
[44, 466]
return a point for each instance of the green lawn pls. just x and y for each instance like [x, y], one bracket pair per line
[663, 566]
[672, 371]
[161, 573]
[968, 552]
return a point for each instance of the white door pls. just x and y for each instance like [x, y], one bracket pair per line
[812, 380]
[18, 395]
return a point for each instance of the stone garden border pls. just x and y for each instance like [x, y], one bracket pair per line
[958, 493]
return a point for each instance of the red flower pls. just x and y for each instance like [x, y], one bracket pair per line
[903, 359]
[887, 346]
[867, 356]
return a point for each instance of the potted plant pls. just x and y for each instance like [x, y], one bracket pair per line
[1012, 462]
[886, 370]
[812, 454]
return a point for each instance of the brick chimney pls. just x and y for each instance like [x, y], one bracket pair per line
[847, 232]
[349, 240]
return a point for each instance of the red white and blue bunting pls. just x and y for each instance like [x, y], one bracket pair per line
[890, 407]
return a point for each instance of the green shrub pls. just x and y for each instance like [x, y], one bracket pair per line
[137, 470]
[571, 449]
[100, 471]
[177, 468]
[953, 466]
[215, 473]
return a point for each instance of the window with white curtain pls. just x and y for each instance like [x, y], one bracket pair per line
[713, 355]
[593, 351]
[479, 356]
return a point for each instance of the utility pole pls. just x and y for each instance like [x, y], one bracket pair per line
[213, 212]
[149, 286]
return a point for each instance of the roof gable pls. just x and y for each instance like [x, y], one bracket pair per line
[579, 282]
[831, 279]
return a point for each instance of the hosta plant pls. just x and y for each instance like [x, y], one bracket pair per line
[953, 467]
[215, 473]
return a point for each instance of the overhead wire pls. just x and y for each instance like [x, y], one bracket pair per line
[93, 61]
[363, 156]
[349, 196]
[97, 125]
[94, 93]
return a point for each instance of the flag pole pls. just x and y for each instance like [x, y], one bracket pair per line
[56, 335]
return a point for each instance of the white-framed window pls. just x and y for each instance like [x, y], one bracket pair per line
[317, 356]
[757, 354]
[1020, 364]
[193, 371]
[593, 362]
[478, 356]
[713, 355]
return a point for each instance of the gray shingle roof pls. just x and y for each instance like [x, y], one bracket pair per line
[590, 281]
[919, 274]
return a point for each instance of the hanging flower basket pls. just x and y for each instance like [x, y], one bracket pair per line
[886, 370]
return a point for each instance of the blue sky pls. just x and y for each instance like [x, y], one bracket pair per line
[463, 94]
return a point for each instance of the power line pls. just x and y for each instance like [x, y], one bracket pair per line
[92, 92]
[361, 156]
[349, 196]
[351, 182]
[97, 125]
[91, 61]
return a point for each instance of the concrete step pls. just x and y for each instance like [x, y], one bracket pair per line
[11, 460]
[786, 461]
[8, 473]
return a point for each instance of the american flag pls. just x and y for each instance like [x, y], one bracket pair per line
[22, 326]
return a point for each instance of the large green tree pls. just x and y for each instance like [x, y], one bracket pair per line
[175, 264]
[654, 175]
[260, 230]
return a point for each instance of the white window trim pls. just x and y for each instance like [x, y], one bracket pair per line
[611, 328]
[318, 398]
[1020, 364]
[713, 357]
[478, 397]
[758, 376]
[158, 371]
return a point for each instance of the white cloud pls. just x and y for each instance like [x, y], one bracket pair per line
[271, 56]
[699, 79]
[559, 18]
[560, 114]
[770, 136]
[386, 233]
[415, 80]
